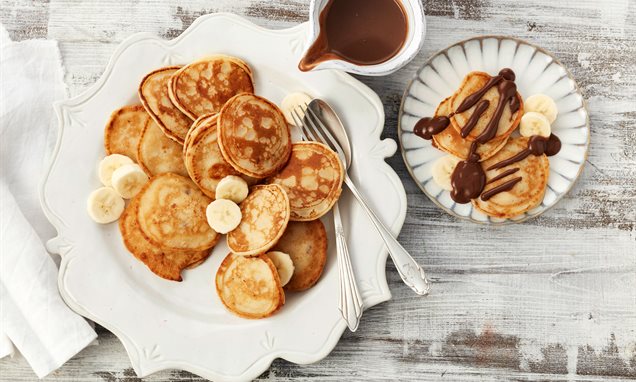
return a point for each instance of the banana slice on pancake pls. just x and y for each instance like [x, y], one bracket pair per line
[171, 214]
[451, 141]
[306, 244]
[265, 215]
[167, 264]
[313, 180]
[124, 129]
[253, 136]
[154, 96]
[157, 154]
[525, 193]
[249, 286]
[204, 86]
[471, 84]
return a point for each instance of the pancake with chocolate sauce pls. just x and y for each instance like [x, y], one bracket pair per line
[472, 84]
[154, 95]
[451, 142]
[253, 135]
[204, 86]
[523, 182]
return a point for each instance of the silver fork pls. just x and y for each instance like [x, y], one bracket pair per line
[349, 302]
[410, 271]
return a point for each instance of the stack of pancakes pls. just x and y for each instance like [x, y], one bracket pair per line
[196, 125]
[534, 170]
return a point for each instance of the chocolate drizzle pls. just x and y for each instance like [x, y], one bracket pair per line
[468, 179]
[537, 145]
[427, 127]
[503, 175]
[474, 118]
[506, 186]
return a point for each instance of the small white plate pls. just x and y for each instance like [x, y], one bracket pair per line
[169, 325]
[537, 72]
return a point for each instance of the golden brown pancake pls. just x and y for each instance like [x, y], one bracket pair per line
[471, 84]
[306, 244]
[204, 119]
[165, 264]
[157, 154]
[527, 193]
[249, 286]
[313, 180]
[171, 214]
[124, 129]
[451, 142]
[153, 93]
[253, 136]
[204, 160]
[204, 86]
[265, 216]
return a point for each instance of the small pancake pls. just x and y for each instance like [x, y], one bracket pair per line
[306, 244]
[471, 84]
[171, 214]
[265, 216]
[451, 142]
[527, 193]
[204, 119]
[157, 154]
[204, 86]
[124, 129]
[204, 160]
[165, 264]
[254, 136]
[249, 286]
[153, 93]
[313, 180]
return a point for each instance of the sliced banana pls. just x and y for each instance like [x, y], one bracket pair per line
[232, 188]
[533, 123]
[283, 264]
[543, 104]
[128, 180]
[223, 215]
[104, 205]
[443, 169]
[295, 101]
[109, 164]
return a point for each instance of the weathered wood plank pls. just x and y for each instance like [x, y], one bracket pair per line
[551, 299]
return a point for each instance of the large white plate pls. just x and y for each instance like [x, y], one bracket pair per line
[183, 325]
[537, 72]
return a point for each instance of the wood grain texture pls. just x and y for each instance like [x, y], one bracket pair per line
[550, 299]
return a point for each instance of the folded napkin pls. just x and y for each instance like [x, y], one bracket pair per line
[33, 316]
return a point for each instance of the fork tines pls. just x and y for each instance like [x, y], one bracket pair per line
[314, 129]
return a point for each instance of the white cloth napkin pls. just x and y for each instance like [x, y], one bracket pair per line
[33, 316]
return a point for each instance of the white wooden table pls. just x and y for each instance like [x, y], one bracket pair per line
[550, 299]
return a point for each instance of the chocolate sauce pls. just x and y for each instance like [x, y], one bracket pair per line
[468, 179]
[503, 175]
[507, 92]
[537, 145]
[474, 118]
[427, 127]
[363, 32]
[506, 186]
[472, 99]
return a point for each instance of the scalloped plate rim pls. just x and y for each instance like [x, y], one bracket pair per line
[263, 363]
[427, 63]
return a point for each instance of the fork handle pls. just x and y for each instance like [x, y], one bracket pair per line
[350, 301]
[410, 271]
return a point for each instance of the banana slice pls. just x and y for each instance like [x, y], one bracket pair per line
[297, 101]
[109, 164]
[283, 264]
[443, 169]
[104, 205]
[533, 123]
[232, 188]
[543, 104]
[128, 180]
[223, 215]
